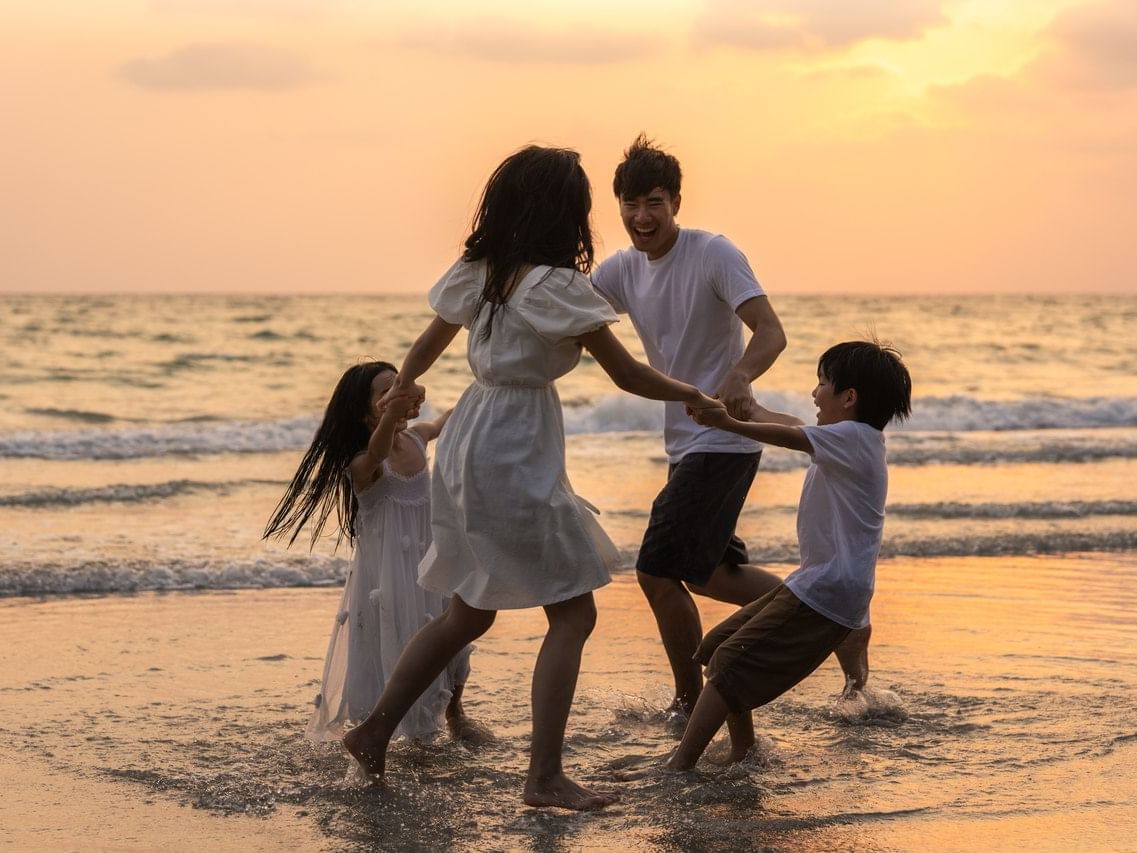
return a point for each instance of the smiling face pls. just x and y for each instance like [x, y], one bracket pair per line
[833, 406]
[649, 220]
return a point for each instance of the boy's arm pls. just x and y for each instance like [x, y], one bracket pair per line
[760, 414]
[781, 434]
[430, 430]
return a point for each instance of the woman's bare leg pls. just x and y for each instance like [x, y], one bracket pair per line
[554, 684]
[425, 656]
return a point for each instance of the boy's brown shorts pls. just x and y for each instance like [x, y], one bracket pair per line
[766, 648]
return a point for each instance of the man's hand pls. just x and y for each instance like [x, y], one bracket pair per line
[735, 395]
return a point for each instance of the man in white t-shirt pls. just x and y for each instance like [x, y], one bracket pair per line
[689, 293]
[773, 643]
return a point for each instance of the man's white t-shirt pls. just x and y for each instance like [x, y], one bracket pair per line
[840, 518]
[682, 306]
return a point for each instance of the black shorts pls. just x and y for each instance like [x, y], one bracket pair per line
[691, 530]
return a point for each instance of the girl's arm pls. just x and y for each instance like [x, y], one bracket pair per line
[430, 430]
[780, 434]
[367, 467]
[636, 378]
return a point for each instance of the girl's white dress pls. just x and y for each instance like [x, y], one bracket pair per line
[508, 531]
[381, 609]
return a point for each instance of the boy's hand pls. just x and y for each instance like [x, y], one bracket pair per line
[714, 416]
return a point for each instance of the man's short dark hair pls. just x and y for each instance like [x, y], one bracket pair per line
[644, 168]
[875, 371]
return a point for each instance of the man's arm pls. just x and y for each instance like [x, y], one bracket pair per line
[766, 343]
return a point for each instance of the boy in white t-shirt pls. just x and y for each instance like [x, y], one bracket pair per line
[773, 643]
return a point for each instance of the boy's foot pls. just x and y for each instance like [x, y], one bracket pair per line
[469, 732]
[561, 792]
[371, 759]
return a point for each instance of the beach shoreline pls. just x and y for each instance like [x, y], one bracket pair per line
[175, 720]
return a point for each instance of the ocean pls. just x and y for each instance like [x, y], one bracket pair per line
[144, 441]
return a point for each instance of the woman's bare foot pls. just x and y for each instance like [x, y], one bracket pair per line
[469, 732]
[365, 751]
[560, 791]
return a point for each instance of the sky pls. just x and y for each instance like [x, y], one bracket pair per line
[279, 146]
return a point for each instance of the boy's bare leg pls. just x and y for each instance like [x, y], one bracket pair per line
[681, 631]
[425, 656]
[554, 683]
[709, 714]
[853, 654]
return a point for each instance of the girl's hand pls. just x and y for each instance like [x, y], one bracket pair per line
[402, 400]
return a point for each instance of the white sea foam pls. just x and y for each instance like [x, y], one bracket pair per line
[940, 431]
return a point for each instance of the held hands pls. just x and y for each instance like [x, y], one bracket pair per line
[401, 401]
[735, 395]
[707, 411]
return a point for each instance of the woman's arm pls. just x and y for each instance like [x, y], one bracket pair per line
[423, 353]
[636, 378]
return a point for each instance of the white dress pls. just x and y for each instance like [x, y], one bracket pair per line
[381, 609]
[508, 531]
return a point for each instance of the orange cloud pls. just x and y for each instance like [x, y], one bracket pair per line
[221, 66]
[812, 24]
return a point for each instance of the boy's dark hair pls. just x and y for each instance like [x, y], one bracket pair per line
[644, 168]
[876, 373]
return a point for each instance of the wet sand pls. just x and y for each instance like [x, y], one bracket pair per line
[1003, 716]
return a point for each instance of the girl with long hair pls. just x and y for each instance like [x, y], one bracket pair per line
[369, 467]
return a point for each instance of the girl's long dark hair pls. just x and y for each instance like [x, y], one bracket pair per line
[322, 482]
[534, 211]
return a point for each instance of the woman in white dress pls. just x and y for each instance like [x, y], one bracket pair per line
[508, 531]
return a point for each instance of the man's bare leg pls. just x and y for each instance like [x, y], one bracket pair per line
[737, 584]
[681, 631]
[853, 654]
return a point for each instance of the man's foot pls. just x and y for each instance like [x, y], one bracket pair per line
[469, 732]
[561, 792]
[370, 756]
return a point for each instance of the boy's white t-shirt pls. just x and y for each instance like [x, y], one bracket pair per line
[682, 305]
[840, 519]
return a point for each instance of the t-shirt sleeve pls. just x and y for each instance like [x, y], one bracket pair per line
[563, 305]
[838, 446]
[729, 273]
[455, 297]
[608, 281]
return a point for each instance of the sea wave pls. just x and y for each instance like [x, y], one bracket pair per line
[124, 493]
[959, 430]
[119, 576]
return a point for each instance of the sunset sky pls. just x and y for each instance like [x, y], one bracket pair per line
[893, 146]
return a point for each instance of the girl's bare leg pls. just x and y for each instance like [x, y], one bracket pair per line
[425, 656]
[554, 683]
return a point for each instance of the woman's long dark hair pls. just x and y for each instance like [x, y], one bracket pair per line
[322, 482]
[534, 211]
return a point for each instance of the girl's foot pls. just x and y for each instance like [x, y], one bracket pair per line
[561, 792]
[469, 732]
[363, 750]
